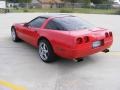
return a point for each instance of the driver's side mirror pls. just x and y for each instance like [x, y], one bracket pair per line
[26, 25]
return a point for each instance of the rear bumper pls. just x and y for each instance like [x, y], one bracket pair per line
[85, 50]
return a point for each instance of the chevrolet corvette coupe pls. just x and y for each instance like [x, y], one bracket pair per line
[62, 35]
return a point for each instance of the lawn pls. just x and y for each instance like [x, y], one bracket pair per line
[68, 10]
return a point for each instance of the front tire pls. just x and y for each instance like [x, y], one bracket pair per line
[14, 35]
[46, 52]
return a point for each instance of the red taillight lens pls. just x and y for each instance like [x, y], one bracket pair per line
[79, 41]
[106, 34]
[86, 38]
[110, 33]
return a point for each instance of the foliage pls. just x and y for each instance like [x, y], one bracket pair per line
[72, 1]
[100, 1]
[20, 1]
[88, 1]
[66, 10]
[25, 10]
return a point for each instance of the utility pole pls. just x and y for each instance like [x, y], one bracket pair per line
[6, 3]
[27, 4]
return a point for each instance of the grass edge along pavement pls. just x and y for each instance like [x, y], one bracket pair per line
[68, 10]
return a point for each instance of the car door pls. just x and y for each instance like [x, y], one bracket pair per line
[31, 30]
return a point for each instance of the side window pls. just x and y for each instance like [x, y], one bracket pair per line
[53, 25]
[37, 23]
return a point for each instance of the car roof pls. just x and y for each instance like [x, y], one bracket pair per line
[55, 15]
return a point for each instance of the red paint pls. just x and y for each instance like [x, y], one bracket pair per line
[65, 43]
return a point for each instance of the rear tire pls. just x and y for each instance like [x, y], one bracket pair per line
[15, 38]
[46, 52]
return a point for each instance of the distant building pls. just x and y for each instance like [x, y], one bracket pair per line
[115, 0]
[116, 3]
[50, 3]
[2, 4]
[35, 1]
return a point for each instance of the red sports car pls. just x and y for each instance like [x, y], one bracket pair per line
[66, 36]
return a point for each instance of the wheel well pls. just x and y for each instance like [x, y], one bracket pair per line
[42, 38]
[12, 27]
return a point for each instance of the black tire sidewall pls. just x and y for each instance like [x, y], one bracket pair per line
[16, 37]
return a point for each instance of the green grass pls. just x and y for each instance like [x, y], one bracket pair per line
[36, 10]
[96, 11]
[69, 10]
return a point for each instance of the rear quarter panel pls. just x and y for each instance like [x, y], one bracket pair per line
[60, 40]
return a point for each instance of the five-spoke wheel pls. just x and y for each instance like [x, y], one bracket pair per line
[45, 51]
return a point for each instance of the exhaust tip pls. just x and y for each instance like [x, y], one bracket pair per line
[106, 50]
[78, 59]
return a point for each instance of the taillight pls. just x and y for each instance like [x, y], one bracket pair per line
[86, 39]
[110, 33]
[106, 34]
[79, 41]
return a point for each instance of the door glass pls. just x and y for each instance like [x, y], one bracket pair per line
[37, 23]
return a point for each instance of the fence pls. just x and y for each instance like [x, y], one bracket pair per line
[58, 5]
[63, 5]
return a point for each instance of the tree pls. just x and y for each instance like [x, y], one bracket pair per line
[100, 1]
[87, 1]
[75, 1]
[19, 1]
[71, 1]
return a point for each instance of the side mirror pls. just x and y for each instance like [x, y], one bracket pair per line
[26, 25]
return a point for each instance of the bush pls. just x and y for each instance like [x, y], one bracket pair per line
[25, 10]
[118, 12]
[66, 11]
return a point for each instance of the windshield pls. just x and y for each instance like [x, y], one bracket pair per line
[73, 23]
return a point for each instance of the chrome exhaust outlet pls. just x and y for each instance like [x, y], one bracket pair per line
[106, 50]
[78, 59]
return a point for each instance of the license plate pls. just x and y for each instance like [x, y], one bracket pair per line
[96, 44]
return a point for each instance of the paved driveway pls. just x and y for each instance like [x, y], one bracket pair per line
[21, 65]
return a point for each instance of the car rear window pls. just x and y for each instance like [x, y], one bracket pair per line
[73, 23]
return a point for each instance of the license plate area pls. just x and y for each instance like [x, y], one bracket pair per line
[96, 44]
